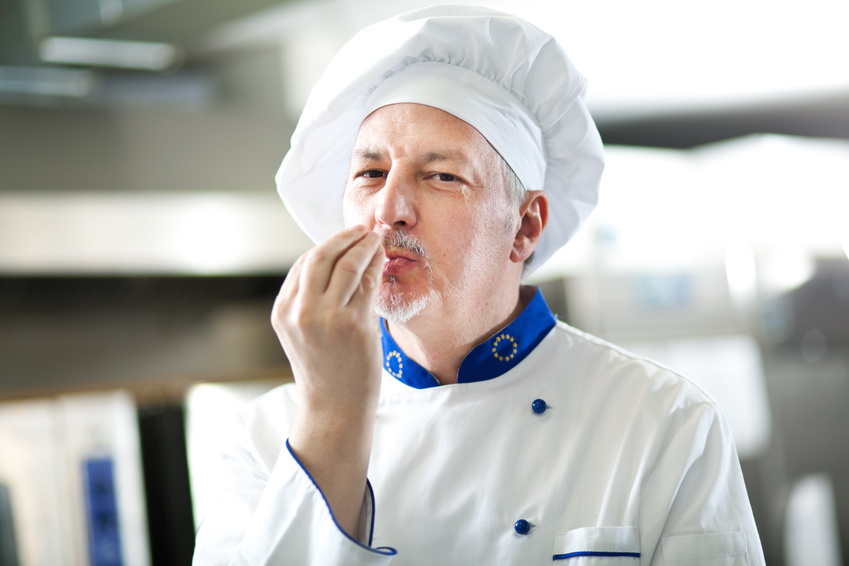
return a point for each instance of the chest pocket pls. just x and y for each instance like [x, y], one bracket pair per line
[598, 545]
[706, 550]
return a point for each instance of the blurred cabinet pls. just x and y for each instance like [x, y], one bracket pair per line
[72, 470]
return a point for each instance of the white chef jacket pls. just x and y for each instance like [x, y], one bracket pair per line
[553, 447]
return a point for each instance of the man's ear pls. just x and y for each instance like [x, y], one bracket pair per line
[533, 217]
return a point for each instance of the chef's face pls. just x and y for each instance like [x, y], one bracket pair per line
[434, 188]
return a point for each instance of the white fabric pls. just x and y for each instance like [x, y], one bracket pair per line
[500, 74]
[629, 457]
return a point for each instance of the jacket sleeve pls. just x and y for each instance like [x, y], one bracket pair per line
[702, 515]
[277, 516]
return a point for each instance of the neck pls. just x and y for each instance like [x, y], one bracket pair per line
[440, 339]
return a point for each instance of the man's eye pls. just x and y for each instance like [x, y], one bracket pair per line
[445, 177]
[371, 174]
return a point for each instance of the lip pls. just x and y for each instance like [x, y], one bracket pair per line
[397, 266]
[399, 262]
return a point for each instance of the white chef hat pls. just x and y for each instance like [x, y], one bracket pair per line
[502, 75]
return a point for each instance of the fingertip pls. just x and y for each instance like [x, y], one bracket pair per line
[375, 269]
[379, 252]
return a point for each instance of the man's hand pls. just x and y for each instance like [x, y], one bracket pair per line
[324, 318]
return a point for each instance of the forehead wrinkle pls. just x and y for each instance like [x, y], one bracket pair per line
[371, 154]
[367, 154]
[436, 156]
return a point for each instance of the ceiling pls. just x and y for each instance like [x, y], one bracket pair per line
[25, 23]
[658, 77]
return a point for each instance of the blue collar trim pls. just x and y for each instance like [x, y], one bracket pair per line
[499, 354]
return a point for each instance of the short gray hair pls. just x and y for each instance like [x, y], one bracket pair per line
[516, 193]
[515, 188]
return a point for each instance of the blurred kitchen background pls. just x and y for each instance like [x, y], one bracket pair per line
[142, 243]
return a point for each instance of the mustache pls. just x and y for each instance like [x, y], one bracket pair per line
[402, 241]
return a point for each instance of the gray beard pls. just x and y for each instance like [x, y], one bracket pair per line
[398, 309]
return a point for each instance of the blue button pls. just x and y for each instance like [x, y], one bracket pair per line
[539, 406]
[522, 527]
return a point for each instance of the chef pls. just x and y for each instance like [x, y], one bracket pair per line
[443, 156]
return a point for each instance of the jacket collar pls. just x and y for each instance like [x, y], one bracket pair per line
[503, 351]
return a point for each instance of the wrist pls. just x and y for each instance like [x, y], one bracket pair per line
[347, 399]
[336, 427]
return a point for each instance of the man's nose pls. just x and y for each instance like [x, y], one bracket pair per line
[396, 206]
